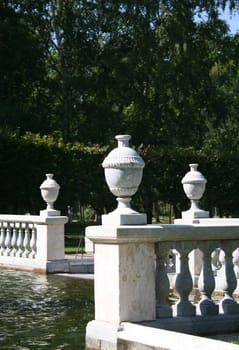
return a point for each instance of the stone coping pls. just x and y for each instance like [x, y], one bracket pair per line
[102, 335]
[71, 266]
[34, 219]
[141, 337]
[208, 221]
[162, 232]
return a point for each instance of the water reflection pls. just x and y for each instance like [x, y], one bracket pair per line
[43, 312]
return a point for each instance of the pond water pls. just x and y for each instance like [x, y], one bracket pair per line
[44, 311]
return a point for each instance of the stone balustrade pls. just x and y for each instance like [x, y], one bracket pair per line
[206, 282]
[132, 264]
[132, 284]
[35, 242]
[31, 242]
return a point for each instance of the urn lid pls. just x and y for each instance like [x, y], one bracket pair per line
[193, 176]
[123, 156]
[49, 183]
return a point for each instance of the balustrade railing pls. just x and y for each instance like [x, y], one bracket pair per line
[137, 263]
[206, 282]
[31, 241]
[35, 241]
[18, 239]
[216, 258]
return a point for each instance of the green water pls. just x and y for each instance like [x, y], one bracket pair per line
[44, 312]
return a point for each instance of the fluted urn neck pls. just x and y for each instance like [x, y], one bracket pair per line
[123, 140]
[193, 167]
[123, 156]
[49, 182]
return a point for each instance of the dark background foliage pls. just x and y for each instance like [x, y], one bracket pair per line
[75, 73]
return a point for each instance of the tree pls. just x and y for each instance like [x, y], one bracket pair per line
[163, 71]
[127, 66]
[23, 104]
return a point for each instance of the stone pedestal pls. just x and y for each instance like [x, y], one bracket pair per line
[120, 271]
[118, 219]
[195, 213]
[124, 282]
[50, 238]
[49, 212]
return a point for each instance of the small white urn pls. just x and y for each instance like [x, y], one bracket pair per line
[123, 169]
[194, 184]
[49, 191]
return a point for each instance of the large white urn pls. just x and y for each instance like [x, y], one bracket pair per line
[194, 184]
[49, 191]
[123, 169]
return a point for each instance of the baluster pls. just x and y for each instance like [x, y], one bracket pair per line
[236, 261]
[206, 282]
[19, 252]
[184, 282]
[7, 240]
[228, 305]
[14, 240]
[162, 281]
[26, 242]
[33, 242]
[2, 239]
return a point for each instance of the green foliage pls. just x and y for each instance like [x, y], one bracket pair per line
[25, 159]
[75, 73]
[23, 101]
